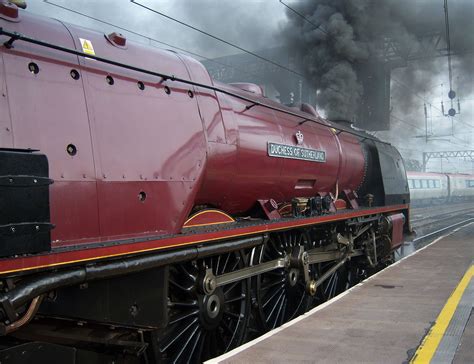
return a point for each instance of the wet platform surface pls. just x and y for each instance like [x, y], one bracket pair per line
[383, 319]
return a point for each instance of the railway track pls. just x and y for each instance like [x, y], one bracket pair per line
[438, 211]
[429, 223]
[433, 219]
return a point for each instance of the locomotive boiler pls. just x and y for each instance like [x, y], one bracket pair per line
[151, 214]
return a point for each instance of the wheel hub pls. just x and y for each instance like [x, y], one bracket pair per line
[211, 308]
[293, 276]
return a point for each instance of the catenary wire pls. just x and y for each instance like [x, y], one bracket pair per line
[303, 77]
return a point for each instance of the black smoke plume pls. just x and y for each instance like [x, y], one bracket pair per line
[339, 38]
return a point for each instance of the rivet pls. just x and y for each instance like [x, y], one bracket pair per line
[142, 196]
[7, 129]
[35, 180]
[12, 229]
[141, 176]
[84, 176]
[33, 68]
[104, 176]
[71, 149]
[62, 175]
[37, 228]
[123, 176]
[75, 74]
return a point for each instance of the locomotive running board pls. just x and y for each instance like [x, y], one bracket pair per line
[63, 256]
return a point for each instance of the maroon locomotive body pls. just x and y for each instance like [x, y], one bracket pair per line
[123, 163]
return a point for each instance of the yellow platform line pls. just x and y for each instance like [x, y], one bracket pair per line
[430, 343]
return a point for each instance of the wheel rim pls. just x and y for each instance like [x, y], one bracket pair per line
[204, 326]
[281, 293]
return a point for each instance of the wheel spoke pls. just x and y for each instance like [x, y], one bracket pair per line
[281, 320]
[275, 283]
[217, 264]
[273, 296]
[186, 343]
[226, 327]
[225, 263]
[183, 316]
[191, 304]
[231, 287]
[187, 273]
[238, 298]
[180, 287]
[236, 264]
[232, 315]
[193, 348]
[275, 306]
[173, 339]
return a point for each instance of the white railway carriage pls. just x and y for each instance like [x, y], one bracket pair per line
[461, 187]
[426, 188]
[430, 188]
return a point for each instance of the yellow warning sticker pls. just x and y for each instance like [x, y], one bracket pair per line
[87, 46]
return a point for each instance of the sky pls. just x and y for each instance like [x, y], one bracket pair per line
[259, 24]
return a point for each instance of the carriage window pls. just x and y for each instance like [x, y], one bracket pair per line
[470, 183]
[430, 183]
[417, 183]
[410, 183]
[424, 183]
[437, 183]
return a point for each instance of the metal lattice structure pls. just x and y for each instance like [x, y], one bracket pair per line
[447, 154]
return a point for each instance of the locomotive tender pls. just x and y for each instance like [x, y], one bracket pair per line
[149, 213]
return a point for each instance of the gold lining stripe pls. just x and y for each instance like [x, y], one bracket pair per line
[212, 223]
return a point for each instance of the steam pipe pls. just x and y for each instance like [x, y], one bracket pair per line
[26, 317]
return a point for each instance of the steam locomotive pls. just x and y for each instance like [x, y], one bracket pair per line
[151, 214]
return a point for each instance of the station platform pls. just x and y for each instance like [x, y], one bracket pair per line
[417, 310]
